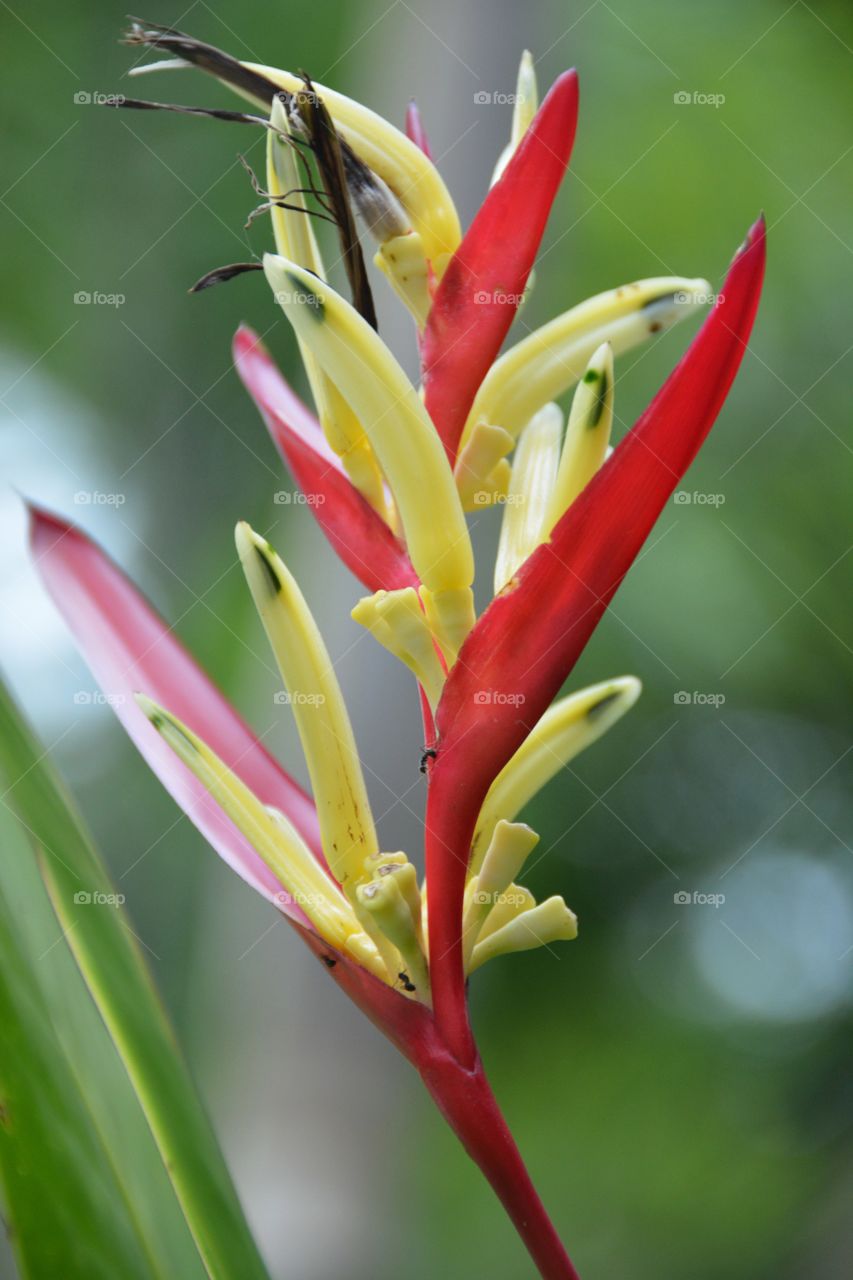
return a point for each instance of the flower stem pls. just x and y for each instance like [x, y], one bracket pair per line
[452, 811]
[466, 1101]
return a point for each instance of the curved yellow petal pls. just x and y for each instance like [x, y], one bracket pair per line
[531, 485]
[476, 466]
[549, 361]
[268, 832]
[551, 921]
[404, 439]
[343, 809]
[404, 264]
[523, 110]
[587, 435]
[566, 728]
[510, 847]
[396, 620]
[295, 239]
[385, 902]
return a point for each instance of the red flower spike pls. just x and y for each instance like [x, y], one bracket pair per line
[131, 649]
[530, 637]
[359, 536]
[508, 670]
[415, 130]
[480, 291]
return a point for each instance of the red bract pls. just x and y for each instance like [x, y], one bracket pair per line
[358, 535]
[533, 633]
[484, 282]
[129, 647]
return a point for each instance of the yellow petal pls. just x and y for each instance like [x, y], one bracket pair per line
[386, 903]
[295, 239]
[268, 832]
[514, 899]
[551, 921]
[566, 728]
[343, 809]
[404, 264]
[587, 435]
[523, 111]
[534, 473]
[396, 620]
[450, 615]
[294, 232]
[552, 359]
[510, 847]
[404, 439]
[475, 466]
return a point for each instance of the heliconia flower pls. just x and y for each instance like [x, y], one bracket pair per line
[389, 474]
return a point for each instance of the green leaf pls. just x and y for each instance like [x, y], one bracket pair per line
[66, 1214]
[74, 957]
[96, 1086]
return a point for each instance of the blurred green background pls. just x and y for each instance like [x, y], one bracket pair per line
[679, 1079]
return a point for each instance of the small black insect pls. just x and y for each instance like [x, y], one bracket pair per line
[408, 985]
[429, 753]
[329, 961]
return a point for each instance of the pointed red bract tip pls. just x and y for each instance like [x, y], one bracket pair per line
[485, 280]
[42, 521]
[756, 233]
[415, 130]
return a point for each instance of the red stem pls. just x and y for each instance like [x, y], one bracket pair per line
[466, 1101]
[451, 816]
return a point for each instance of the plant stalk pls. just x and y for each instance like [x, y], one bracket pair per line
[465, 1099]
